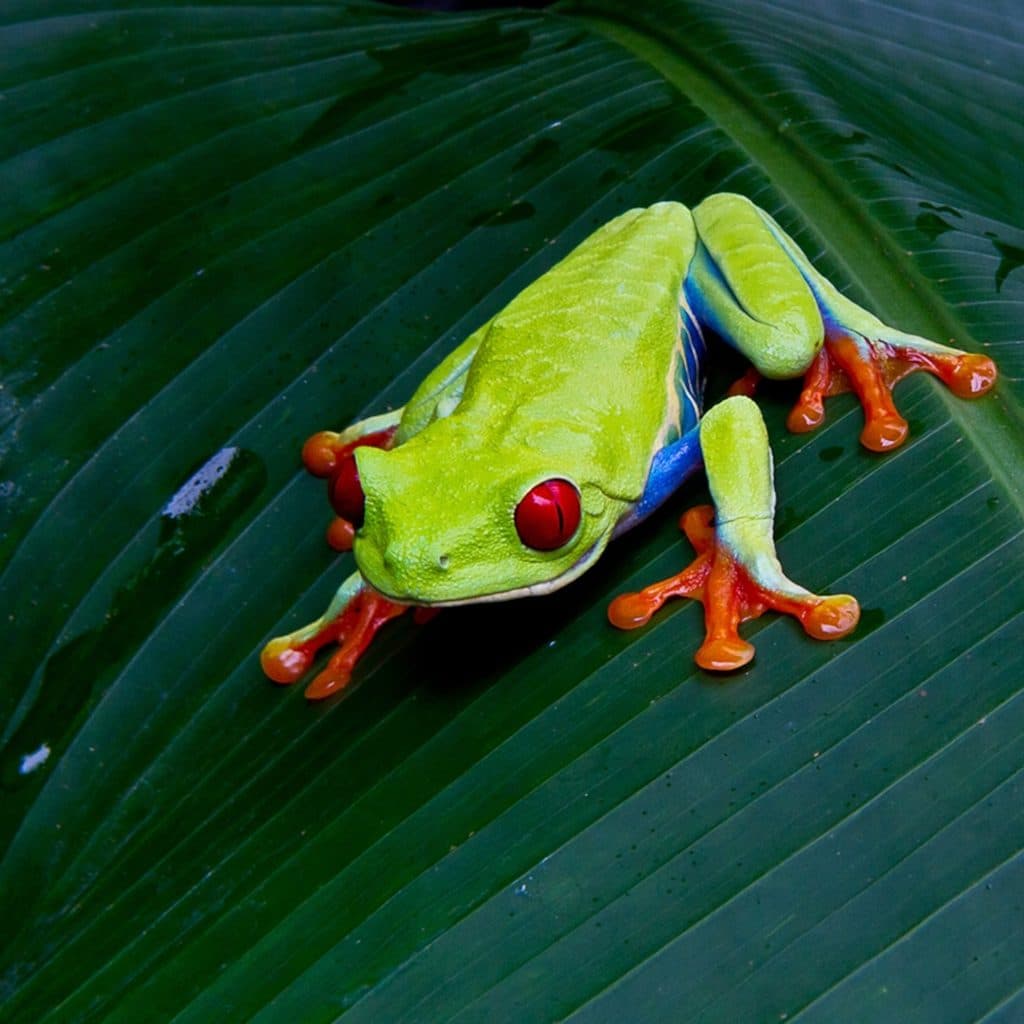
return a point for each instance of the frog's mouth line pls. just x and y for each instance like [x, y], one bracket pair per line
[533, 590]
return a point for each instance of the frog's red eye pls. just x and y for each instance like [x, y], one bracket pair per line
[346, 492]
[548, 514]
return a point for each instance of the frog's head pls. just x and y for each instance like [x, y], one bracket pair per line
[453, 520]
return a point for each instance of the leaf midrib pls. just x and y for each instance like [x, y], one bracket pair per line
[808, 184]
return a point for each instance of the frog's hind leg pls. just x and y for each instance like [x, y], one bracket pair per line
[746, 287]
[864, 355]
[736, 575]
[753, 284]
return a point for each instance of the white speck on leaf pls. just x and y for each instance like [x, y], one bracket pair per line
[186, 497]
[30, 762]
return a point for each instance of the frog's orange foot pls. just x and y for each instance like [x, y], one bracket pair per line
[849, 362]
[326, 455]
[731, 595]
[286, 659]
[746, 385]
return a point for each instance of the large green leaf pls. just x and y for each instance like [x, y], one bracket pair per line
[226, 226]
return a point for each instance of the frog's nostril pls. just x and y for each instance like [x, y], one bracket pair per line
[443, 561]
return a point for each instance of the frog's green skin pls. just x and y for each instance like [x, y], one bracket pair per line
[575, 378]
[593, 375]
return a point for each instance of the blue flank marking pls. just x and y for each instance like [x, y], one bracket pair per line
[682, 457]
[690, 372]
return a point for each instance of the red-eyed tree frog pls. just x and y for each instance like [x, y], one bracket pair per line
[577, 410]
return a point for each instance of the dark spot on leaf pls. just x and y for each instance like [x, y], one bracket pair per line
[571, 41]
[360, 105]
[482, 46]
[831, 453]
[941, 208]
[518, 211]
[655, 128]
[1011, 257]
[932, 225]
[898, 168]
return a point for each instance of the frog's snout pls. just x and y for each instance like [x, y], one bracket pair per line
[405, 572]
[398, 561]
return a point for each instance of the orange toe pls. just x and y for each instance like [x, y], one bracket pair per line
[283, 663]
[832, 617]
[870, 369]
[724, 654]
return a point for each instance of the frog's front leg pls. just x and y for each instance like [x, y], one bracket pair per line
[752, 283]
[356, 612]
[331, 455]
[351, 621]
[736, 574]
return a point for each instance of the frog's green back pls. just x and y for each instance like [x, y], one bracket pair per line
[574, 380]
[588, 350]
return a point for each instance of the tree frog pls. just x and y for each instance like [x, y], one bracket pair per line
[577, 410]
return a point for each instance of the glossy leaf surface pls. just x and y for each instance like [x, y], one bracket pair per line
[225, 227]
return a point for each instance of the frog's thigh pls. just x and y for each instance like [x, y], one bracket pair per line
[744, 285]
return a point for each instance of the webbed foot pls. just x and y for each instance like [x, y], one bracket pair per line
[849, 361]
[736, 574]
[285, 659]
[789, 319]
[731, 595]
